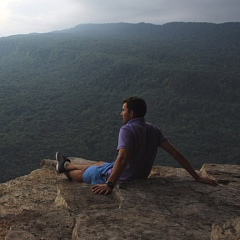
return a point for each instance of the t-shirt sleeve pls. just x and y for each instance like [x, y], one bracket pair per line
[125, 139]
[159, 135]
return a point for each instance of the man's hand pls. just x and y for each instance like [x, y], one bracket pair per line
[102, 189]
[206, 180]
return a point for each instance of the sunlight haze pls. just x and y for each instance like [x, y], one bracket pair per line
[28, 16]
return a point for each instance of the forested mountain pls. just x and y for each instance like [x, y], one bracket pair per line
[63, 91]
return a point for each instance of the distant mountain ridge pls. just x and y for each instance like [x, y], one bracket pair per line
[63, 91]
[145, 28]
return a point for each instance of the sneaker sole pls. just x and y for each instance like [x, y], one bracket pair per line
[56, 156]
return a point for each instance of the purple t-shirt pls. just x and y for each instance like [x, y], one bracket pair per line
[143, 139]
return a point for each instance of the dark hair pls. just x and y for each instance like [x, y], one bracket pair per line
[138, 105]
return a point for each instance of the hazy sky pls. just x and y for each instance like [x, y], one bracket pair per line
[27, 16]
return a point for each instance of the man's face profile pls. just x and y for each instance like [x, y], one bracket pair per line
[126, 114]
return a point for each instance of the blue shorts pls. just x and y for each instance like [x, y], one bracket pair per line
[97, 174]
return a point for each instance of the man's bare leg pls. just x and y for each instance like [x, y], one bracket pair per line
[72, 166]
[76, 171]
[72, 171]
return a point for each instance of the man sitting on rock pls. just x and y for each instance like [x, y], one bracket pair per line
[138, 143]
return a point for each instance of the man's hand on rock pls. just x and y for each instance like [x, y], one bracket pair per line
[102, 189]
[206, 180]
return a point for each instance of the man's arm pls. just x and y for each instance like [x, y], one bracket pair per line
[168, 147]
[119, 166]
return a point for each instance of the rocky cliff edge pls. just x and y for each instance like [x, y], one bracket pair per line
[168, 205]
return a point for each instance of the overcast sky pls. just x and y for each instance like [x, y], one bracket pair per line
[27, 16]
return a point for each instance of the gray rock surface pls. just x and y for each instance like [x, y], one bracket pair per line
[168, 205]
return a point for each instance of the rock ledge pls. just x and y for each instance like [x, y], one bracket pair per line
[169, 205]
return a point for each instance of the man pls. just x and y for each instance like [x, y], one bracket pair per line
[138, 143]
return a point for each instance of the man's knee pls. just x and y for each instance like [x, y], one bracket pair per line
[77, 175]
[100, 163]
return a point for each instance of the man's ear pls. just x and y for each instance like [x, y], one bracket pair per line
[132, 114]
